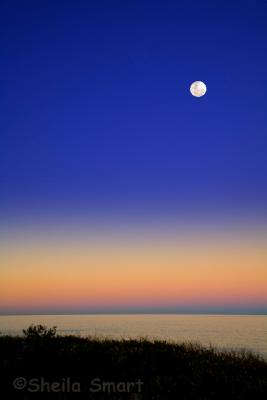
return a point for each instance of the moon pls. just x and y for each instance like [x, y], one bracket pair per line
[198, 89]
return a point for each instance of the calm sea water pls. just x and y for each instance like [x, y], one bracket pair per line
[223, 331]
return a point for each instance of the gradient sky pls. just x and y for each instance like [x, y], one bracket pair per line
[170, 272]
[97, 123]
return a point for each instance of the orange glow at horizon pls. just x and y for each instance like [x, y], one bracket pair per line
[160, 273]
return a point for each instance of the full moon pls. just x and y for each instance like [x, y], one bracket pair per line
[198, 89]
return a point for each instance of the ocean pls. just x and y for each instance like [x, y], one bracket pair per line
[222, 331]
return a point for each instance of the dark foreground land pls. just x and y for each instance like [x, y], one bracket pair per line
[44, 365]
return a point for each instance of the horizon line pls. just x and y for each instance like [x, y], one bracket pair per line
[136, 312]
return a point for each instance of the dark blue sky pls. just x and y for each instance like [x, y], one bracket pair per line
[96, 113]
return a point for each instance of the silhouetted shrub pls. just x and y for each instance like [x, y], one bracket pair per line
[42, 331]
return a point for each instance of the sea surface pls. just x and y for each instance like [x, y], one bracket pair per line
[222, 331]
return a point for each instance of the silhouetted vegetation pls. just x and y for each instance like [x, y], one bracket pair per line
[167, 370]
[39, 331]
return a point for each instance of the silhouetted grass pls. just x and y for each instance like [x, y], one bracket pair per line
[167, 370]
